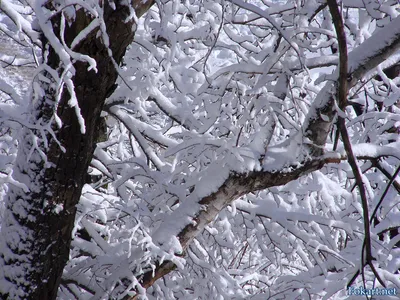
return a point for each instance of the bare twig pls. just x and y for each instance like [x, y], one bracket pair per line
[395, 183]
[384, 194]
[342, 91]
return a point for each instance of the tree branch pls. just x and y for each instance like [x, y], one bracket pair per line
[391, 181]
[316, 129]
[380, 46]
[342, 91]
[395, 183]
[235, 185]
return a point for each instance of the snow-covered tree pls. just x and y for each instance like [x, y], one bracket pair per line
[82, 44]
[201, 149]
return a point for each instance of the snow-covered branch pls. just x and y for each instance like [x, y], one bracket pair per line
[217, 168]
[363, 59]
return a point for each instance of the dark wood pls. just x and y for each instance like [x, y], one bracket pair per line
[60, 180]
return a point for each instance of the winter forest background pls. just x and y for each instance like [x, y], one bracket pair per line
[199, 149]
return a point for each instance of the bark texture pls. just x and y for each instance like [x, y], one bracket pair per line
[37, 226]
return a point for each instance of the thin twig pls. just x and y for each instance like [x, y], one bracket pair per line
[342, 90]
[384, 194]
[387, 174]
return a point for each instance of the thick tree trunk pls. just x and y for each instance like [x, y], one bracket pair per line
[37, 225]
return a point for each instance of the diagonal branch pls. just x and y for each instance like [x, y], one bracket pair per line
[235, 186]
[391, 181]
[381, 168]
[316, 128]
[372, 52]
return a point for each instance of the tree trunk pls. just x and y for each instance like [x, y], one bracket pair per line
[37, 224]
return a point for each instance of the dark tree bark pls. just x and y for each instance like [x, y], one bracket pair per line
[37, 226]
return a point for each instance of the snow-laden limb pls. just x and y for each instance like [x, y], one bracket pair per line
[367, 56]
[150, 154]
[200, 209]
[16, 13]
[9, 90]
[371, 151]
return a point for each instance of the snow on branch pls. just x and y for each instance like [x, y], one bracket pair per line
[227, 176]
[367, 56]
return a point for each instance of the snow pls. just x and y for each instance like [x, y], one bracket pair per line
[74, 55]
[380, 39]
[212, 96]
[376, 151]
[46, 27]
[58, 208]
[22, 24]
[211, 180]
[85, 32]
